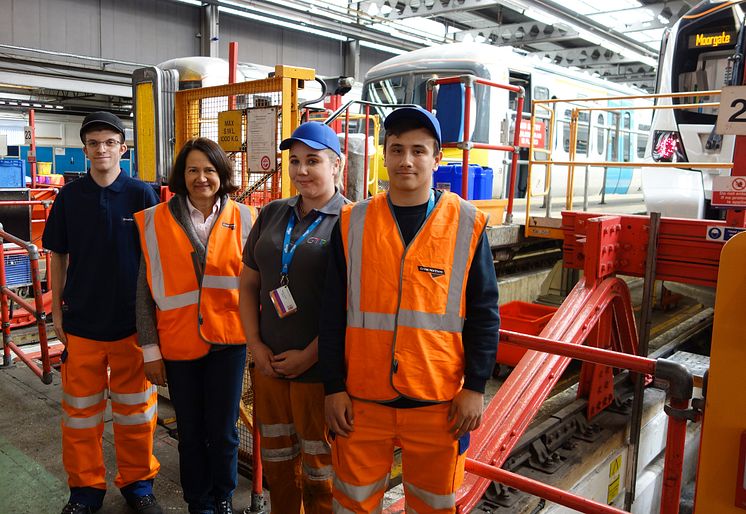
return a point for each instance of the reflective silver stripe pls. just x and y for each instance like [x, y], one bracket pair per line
[165, 303]
[136, 419]
[133, 398]
[436, 501]
[355, 261]
[466, 219]
[280, 454]
[338, 509]
[277, 430]
[360, 493]
[246, 222]
[448, 322]
[88, 422]
[318, 474]
[169, 303]
[218, 282]
[315, 447]
[83, 402]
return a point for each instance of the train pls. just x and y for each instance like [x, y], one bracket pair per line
[702, 51]
[602, 136]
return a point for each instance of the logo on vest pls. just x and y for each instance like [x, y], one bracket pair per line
[434, 272]
[231, 226]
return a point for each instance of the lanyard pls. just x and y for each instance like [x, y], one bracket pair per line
[288, 250]
[430, 204]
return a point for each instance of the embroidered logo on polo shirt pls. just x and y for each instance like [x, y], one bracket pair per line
[231, 226]
[316, 241]
[434, 272]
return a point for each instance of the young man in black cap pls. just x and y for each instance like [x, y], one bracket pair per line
[95, 260]
[409, 329]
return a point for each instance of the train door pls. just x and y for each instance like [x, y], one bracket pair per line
[523, 80]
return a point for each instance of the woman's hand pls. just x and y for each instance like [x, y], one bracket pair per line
[155, 371]
[262, 356]
[293, 363]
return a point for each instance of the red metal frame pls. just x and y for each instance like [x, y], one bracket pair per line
[684, 253]
[466, 145]
[37, 310]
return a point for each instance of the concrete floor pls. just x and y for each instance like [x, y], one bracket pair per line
[32, 478]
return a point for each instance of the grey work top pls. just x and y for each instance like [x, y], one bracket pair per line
[263, 253]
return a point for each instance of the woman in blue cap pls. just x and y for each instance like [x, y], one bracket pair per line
[285, 261]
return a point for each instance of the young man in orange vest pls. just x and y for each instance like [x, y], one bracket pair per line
[95, 258]
[409, 330]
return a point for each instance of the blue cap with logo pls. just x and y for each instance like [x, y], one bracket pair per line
[314, 134]
[428, 119]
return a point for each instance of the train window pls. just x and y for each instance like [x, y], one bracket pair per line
[581, 145]
[625, 138]
[642, 139]
[584, 129]
[541, 93]
[600, 131]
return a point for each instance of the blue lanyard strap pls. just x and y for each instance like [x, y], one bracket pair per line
[288, 250]
[430, 203]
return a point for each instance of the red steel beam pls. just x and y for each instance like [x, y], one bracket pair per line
[537, 488]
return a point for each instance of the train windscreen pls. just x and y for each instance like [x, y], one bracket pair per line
[705, 60]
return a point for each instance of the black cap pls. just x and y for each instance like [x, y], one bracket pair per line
[102, 118]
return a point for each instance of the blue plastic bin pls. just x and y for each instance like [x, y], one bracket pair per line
[12, 173]
[448, 176]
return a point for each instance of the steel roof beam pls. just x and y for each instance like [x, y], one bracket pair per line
[521, 33]
[584, 56]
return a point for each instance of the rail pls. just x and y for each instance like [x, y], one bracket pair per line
[466, 144]
[37, 310]
[547, 226]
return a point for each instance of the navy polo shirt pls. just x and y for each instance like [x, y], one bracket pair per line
[95, 226]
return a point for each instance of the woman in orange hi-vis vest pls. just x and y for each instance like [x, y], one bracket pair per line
[285, 262]
[187, 317]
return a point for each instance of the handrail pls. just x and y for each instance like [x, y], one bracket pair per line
[466, 144]
[581, 105]
[37, 310]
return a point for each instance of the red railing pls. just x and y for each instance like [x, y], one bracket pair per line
[466, 144]
[37, 310]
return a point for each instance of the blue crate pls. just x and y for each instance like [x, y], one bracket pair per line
[17, 270]
[448, 176]
[12, 173]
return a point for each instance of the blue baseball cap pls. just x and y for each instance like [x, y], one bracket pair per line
[428, 119]
[314, 134]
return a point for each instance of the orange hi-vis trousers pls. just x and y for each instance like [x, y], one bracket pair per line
[296, 451]
[85, 383]
[432, 461]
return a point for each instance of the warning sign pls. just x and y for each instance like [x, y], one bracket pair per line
[715, 233]
[615, 466]
[261, 139]
[524, 138]
[729, 192]
[229, 131]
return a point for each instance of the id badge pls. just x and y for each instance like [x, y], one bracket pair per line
[283, 301]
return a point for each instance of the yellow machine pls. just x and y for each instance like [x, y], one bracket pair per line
[721, 484]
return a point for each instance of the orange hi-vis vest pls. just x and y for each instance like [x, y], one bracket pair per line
[406, 306]
[194, 307]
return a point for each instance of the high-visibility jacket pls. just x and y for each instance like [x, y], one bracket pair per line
[197, 303]
[406, 306]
